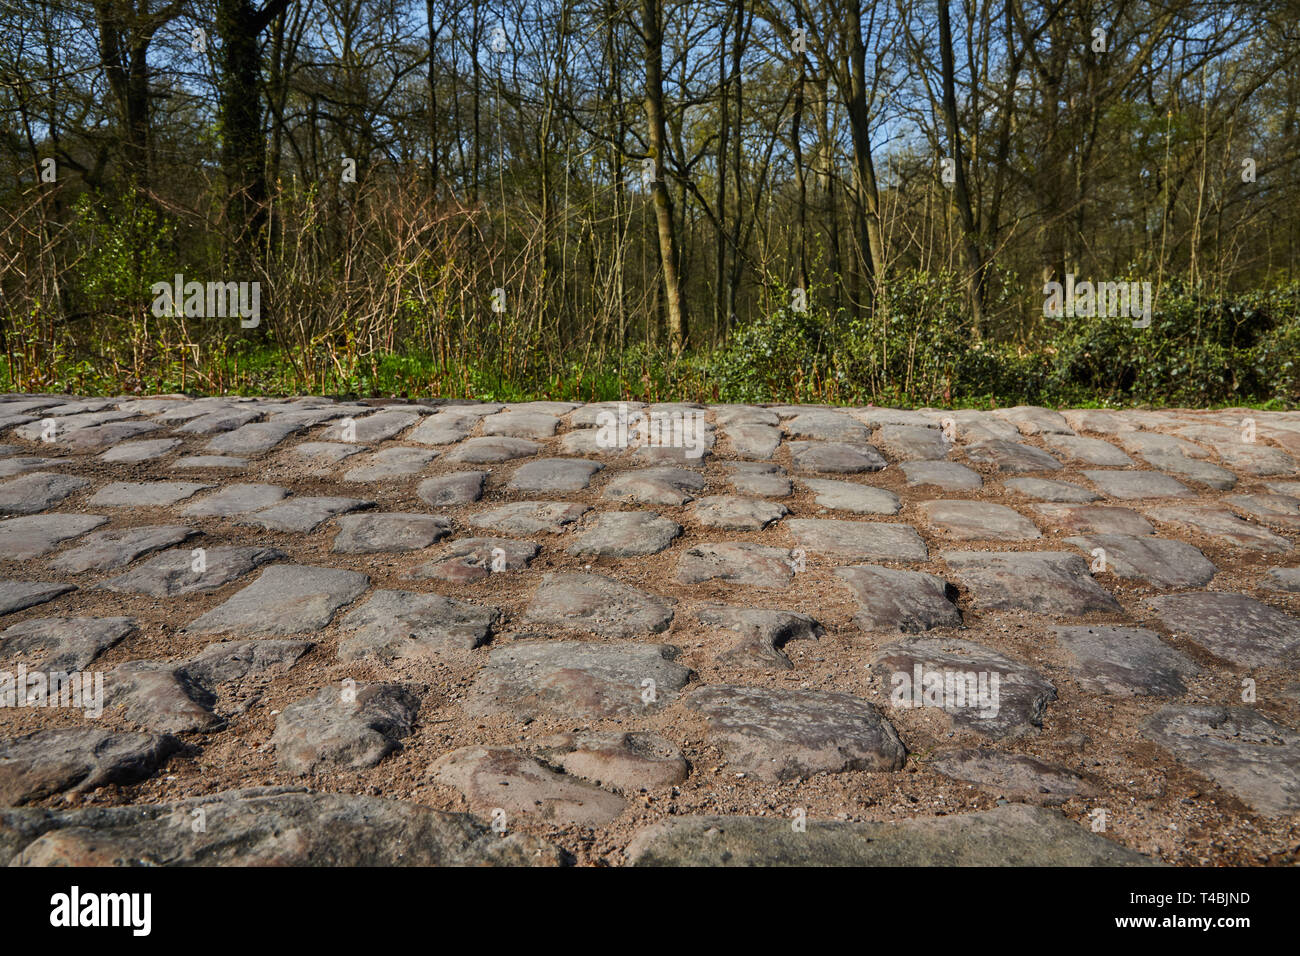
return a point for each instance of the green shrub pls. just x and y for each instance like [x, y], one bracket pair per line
[920, 350]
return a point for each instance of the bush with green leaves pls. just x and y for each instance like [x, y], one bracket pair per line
[127, 248]
[920, 349]
[1199, 350]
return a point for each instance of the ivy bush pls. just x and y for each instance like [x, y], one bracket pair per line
[920, 349]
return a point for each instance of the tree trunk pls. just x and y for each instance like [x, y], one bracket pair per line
[433, 98]
[801, 182]
[870, 236]
[969, 229]
[124, 39]
[243, 151]
[652, 37]
[720, 231]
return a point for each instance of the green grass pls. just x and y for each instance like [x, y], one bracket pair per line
[267, 371]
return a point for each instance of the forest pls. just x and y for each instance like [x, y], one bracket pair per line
[845, 201]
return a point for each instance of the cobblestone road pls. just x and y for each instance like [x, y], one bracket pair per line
[304, 630]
